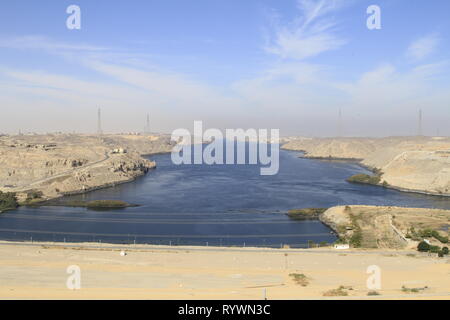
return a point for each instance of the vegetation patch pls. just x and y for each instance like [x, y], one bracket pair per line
[365, 178]
[306, 213]
[300, 278]
[357, 236]
[8, 201]
[423, 246]
[413, 290]
[339, 292]
[94, 204]
[426, 233]
[33, 197]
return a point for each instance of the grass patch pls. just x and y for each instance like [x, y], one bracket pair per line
[365, 178]
[107, 204]
[306, 213]
[300, 278]
[413, 290]
[373, 293]
[339, 292]
[94, 204]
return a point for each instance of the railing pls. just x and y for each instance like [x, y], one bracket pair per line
[240, 240]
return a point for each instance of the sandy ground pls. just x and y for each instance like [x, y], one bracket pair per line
[37, 271]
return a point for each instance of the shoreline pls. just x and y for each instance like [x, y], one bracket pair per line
[372, 169]
[101, 246]
[92, 189]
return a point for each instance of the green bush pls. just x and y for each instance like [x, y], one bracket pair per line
[445, 250]
[435, 249]
[306, 213]
[438, 237]
[34, 195]
[423, 247]
[8, 201]
[364, 178]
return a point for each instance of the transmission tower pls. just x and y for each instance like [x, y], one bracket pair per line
[420, 132]
[147, 126]
[99, 122]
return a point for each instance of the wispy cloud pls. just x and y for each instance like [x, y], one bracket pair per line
[43, 43]
[311, 33]
[423, 47]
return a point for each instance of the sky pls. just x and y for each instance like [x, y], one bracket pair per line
[292, 65]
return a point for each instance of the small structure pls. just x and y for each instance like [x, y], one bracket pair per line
[342, 246]
[119, 151]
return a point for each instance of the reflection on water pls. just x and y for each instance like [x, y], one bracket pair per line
[212, 205]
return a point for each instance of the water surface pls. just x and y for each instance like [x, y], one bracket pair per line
[212, 205]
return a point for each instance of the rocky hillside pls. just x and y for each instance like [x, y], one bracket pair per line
[47, 166]
[418, 164]
[387, 227]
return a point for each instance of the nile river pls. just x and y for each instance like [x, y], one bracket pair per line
[226, 205]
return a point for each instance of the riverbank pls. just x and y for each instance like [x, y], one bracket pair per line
[387, 227]
[158, 272]
[408, 164]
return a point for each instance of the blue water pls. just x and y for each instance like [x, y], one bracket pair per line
[228, 205]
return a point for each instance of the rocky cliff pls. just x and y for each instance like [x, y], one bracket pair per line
[47, 166]
[418, 164]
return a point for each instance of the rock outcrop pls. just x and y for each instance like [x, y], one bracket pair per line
[386, 227]
[417, 164]
[69, 164]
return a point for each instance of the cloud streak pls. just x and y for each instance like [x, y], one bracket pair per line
[423, 47]
[310, 34]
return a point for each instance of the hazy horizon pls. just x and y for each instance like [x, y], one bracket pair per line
[291, 65]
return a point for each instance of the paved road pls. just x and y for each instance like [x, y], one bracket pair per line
[149, 248]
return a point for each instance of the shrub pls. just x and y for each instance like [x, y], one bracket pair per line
[8, 201]
[341, 291]
[300, 279]
[34, 195]
[323, 244]
[364, 178]
[445, 250]
[435, 249]
[423, 247]
[438, 237]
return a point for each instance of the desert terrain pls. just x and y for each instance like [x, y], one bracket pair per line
[53, 165]
[39, 271]
[387, 227]
[417, 164]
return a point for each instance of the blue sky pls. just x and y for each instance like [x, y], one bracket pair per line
[256, 63]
